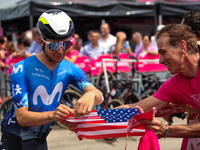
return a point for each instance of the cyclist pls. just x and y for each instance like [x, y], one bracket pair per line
[38, 83]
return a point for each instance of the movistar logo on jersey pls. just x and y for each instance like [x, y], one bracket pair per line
[15, 70]
[45, 97]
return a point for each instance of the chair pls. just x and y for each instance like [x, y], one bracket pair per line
[150, 66]
[124, 66]
[96, 64]
[83, 63]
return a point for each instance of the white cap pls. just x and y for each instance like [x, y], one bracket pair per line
[159, 27]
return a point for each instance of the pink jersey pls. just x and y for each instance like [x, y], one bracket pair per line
[181, 89]
[74, 52]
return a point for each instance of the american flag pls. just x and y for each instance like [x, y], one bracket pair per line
[107, 123]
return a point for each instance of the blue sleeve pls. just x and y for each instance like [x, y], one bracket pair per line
[80, 80]
[19, 86]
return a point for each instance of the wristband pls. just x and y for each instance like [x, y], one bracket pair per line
[166, 131]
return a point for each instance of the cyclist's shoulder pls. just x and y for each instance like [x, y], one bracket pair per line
[24, 65]
[69, 67]
[64, 64]
[27, 61]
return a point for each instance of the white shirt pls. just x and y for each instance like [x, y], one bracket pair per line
[109, 42]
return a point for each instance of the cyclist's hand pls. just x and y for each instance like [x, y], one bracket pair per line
[71, 126]
[84, 104]
[61, 112]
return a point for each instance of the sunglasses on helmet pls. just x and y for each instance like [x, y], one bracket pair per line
[56, 45]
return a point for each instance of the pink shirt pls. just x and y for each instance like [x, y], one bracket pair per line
[181, 89]
[149, 48]
[74, 52]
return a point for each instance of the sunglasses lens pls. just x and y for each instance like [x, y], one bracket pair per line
[56, 45]
[53, 46]
[67, 44]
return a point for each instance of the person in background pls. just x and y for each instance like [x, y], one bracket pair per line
[35, 46]
[76, 36]
[22, 47]
[153, 38]
[93, 49]
[137, 40]
[106, 40]
[89, 34]
[79, 44]
[72, 54]
[5, 40]
[121, 46]
[3, 53]
[192, 19]
[22, 44]
[147, 47]
[10, 48]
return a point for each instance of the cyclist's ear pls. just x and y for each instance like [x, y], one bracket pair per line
[40, 40]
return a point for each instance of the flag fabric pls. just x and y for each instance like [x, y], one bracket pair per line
[134, 121]
[108, 123]
[149, 141]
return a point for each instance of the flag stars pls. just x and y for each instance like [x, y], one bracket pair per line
[117, 115]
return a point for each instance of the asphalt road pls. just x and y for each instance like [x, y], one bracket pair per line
[63, 139]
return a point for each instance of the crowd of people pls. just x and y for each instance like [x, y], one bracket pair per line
[36, 101]
[99, 42]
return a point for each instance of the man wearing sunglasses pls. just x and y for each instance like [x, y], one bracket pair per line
[38, 84]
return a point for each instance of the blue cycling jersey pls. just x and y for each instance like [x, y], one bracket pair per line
[40, 89]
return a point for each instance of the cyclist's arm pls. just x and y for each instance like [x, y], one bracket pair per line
[148, 103]
[91, 97]
[30, 118]
[98, 96]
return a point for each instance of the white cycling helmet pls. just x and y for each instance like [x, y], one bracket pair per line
[55, 24]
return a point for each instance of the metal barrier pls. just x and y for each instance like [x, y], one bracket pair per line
[136, 78]
[5, 87]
